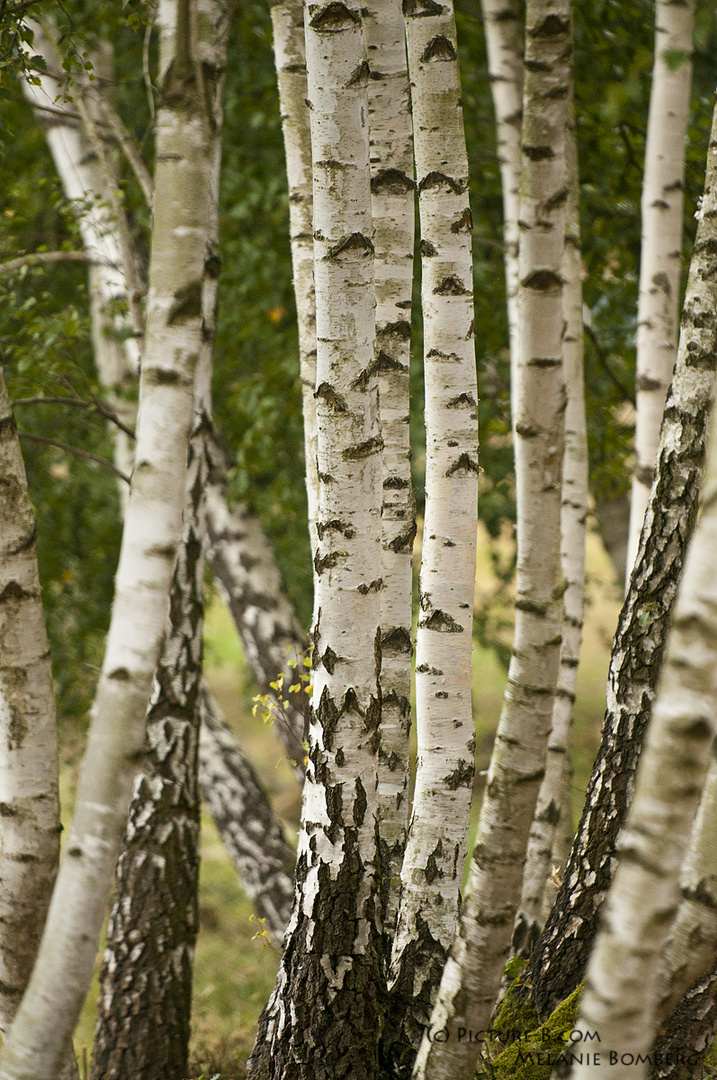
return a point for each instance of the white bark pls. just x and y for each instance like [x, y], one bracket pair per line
[329, 983]
[504, 44]
[435, 852]
[29, 799]
[392, 205]
[287, 19]
[149, 545]
[622, 984]
[552, 829]
[472, 975]
[661, 249]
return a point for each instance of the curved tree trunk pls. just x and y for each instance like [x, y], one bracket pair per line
[392, 206]
[151, 535]
[329, 985]
[435, 851]
[661, 249]
[621, 988]
[29, 798]
[472, 975]
[559, 959]
[552, 830]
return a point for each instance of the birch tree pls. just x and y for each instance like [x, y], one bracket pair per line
[151, 534]
[472, 975]
[328, 986]
[621, 987]
[435, 851]
[392, 207]
[661, 249]
[29, 797]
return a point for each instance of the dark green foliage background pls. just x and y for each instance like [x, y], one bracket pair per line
[44, 321]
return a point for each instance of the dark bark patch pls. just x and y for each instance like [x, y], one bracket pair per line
[531, 607]
[552, 26]
[371, 587]
[327, 562]
[187, 303]
[542, 280]
[464, 466]
[360, 803]
[397, 640]
[360, 76]
[329, 659]
[121, 674]
[328, 717]
[545, 362]
[439, 180]
[413, 9]
[439, 48]
[463, 224]
[442, 623]
[451, 286]
[364, 449]
[462, 776]
[404, 541]
[356, 243]
[14, 591]
[324, 527]
[333, 399]
[391, 182]
[538, 153]
[436, 354]
[400, 330]
[396, 483]
[428, 250]
[333, 18]
[462, 399]
[424, 669]
[441, 694]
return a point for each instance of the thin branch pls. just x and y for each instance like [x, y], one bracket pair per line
[602, 357]
[78, 403]
[53, 257]
[128, 148]
[56, 110]
[76, 451]
[145, 66]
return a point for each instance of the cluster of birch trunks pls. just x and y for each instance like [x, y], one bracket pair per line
[384, 963]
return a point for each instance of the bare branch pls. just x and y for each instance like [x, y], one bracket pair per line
[78, 403]
[53, 257]
[76, 451]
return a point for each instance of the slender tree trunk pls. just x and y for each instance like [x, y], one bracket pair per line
[287, 20]
[41, 1032]
[435, 852]
[328, 991]
[621, 989]
[504, 43]
[552, 829]
[661, 250]
[29, 799]
[472, 976]
[251, 833]
[560, 957]
[392, 206]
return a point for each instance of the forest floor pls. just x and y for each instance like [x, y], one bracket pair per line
[235, 967]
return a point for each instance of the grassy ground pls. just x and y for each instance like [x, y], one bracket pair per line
[234, 969]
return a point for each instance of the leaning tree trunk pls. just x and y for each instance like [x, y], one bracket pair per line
[472, 975]
[560, 957]
[661, 248]
[435, 852]
[392, 205]
[621, 988]
[29, 798]
[40, 1035]
[328, 991]
[552, 829]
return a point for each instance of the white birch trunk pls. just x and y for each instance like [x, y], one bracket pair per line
[661, 249]
[472, 975]
[552, 829]
[621, 988]
[392, 205]
[435, 852]
[29, 799]
[328, 988]
[149, 546]
[287, 20]
[504, 44]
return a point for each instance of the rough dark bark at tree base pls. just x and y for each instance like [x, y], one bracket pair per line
[250, 831]
[560, 955]
[680, 1051]
[403, 1028]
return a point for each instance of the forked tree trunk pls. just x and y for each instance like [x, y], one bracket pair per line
[621, 988]
[328, 990]
[552, 830]
[472, 975]
[41, 1032]
[435, 852]
[661, 248]
[560, 957]
[29, 798]
[392, 205]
